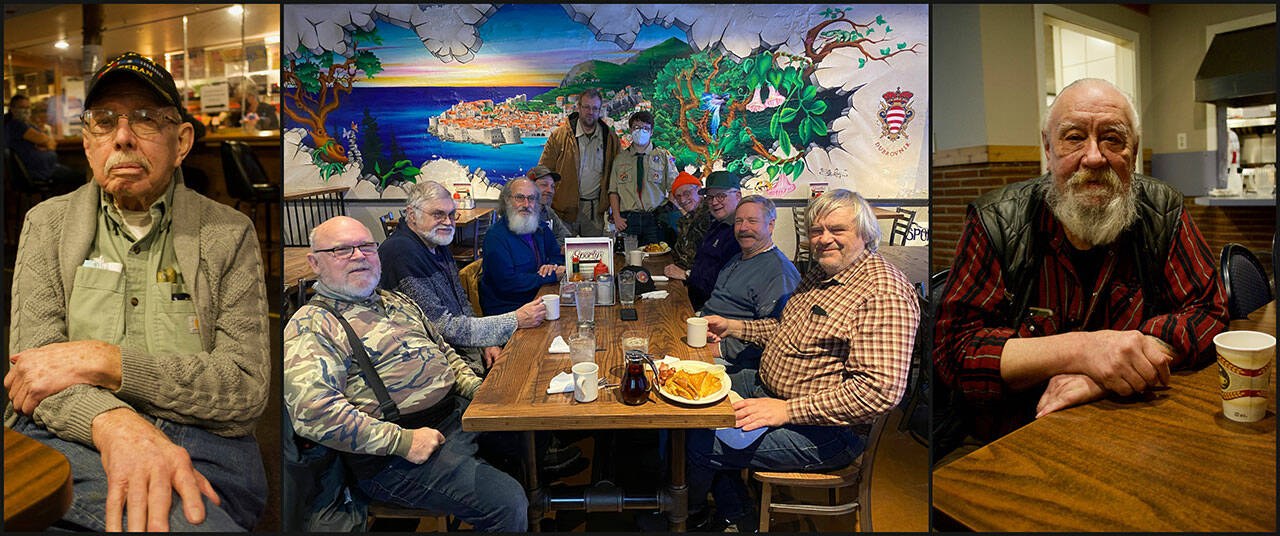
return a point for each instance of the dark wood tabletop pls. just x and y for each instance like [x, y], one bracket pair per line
[1170, 462]
[37, 483]
[514, 395]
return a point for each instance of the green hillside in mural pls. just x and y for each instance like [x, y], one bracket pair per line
[637, 71]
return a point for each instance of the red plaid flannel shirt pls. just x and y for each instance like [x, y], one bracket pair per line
[970, 333]
[841, 351]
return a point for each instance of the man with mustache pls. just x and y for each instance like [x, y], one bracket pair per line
[418, 457]
[420, 264]
[754, 284]
[520, 254]
[139, 326]
[837, 358]
[546, 181]
[722, 194]
[1088, 280]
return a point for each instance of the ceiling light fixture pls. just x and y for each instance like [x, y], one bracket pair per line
[62, 44]
[236, 10]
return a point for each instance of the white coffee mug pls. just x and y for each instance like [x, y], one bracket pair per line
[552, 302]
[585, 382]
[635, 257]
[696, 336]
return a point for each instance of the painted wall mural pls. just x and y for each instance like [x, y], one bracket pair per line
[377, 97]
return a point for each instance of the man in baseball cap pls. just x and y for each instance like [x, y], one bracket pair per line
[148, 368]
[722, 193]
[546, 181]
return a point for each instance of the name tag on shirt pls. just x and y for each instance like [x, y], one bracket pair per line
[102, 264]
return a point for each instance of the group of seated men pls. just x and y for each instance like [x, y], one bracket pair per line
[816, 357]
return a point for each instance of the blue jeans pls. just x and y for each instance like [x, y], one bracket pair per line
[453, 480]
[643, 225]
[232, 465]
[714, 466]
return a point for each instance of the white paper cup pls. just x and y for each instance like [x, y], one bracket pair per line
[635, 257]
[696, 334]
[1244, 367]
[585, 378]
[552, 301]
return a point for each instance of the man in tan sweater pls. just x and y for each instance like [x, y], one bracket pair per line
[139, 341]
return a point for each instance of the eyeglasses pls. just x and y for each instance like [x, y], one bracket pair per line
[367, 248]
[440, 215]
[642, 129]
[143, 121]
[719, 197]
[525, 198]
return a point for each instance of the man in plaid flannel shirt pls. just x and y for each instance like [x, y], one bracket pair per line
[1114, 287]
[836, 359]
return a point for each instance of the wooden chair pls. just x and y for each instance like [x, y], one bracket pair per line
[802, 253]
[470, 248]
[387, 226]
[444, 522]
[470, 276]
[902, 227]
[857, 474]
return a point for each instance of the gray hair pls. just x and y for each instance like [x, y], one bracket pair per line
[504, 197]
[426, 191]
[864, 218]
[1130, 112]
[766, 204]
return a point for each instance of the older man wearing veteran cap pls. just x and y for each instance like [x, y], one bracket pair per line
[722, 194]
[546, 181]
[139, 326]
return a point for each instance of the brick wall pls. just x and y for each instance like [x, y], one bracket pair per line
[954, 185]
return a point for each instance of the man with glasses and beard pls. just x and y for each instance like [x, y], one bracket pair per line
[1088, 280]
[420, 264]
[419, 456]
[520, 254]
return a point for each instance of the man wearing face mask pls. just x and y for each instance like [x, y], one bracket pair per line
[642, 175]
[417, 262]
[36, 150]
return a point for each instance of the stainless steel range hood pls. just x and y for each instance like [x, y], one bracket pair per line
[1240, 68]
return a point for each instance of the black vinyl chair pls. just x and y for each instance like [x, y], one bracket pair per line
[1245, 280]
[247, 182]
[901, 227]
[29, 192]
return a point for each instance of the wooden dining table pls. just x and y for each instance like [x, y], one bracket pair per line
[514, 394]
[37, 483]
[1169, 461]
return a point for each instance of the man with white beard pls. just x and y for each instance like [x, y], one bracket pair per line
[520, 255]
[1089, 280]
[409, 450]
[418, 262]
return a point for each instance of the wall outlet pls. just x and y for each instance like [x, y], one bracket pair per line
[1182, 140]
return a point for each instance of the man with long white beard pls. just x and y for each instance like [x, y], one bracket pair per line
[1089, 280]
[418, 262]
[520, 255]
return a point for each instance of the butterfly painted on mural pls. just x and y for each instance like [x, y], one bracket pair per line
[712, 103]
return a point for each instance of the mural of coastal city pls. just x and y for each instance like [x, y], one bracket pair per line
[378, 97]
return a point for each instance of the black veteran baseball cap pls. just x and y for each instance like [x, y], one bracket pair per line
[141, 68]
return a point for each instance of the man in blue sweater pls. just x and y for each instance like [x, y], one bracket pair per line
[520, 254]
[417, 261]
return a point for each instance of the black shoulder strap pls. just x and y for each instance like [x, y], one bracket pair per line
[390, 412]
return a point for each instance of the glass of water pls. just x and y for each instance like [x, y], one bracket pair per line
[586, 304]
[582, 347]
[627, 288]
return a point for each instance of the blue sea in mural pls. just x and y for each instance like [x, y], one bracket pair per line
[405, 111]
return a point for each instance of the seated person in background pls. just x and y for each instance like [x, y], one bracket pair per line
[423, 459]
[642, 174]
[722, 193]
[671, 210]
[1087, 280]
[690, 227]
[139, 342]
[754, 284]
[261, 115]
[546, 181]
[35, 148]
[520, 254]
[838, 357]
[419, 264]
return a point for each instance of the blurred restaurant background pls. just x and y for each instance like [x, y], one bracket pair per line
[224, 58]
[1201, 76]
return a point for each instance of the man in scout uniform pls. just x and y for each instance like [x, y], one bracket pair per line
[139, 326]
[642, 176]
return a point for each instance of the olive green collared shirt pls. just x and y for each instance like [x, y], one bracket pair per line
[658, 175]
[130, 291]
